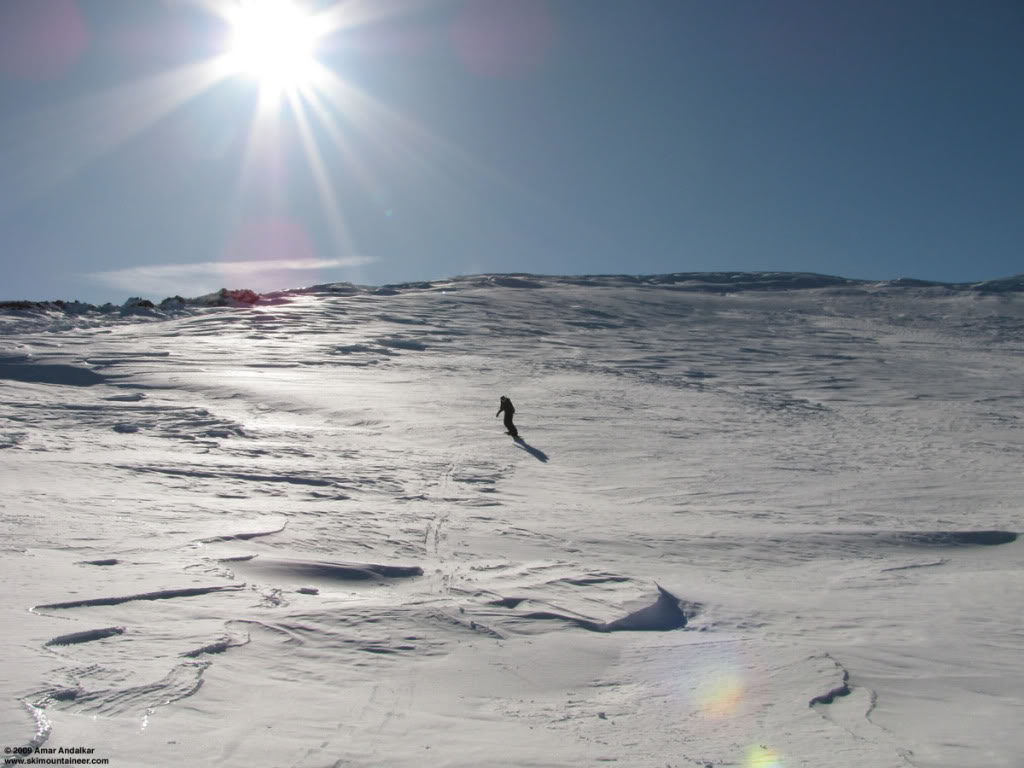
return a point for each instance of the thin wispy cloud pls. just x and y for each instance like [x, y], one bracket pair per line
[207, 276]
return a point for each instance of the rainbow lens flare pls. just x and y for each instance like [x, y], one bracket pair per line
[720, 696]
[760, 756]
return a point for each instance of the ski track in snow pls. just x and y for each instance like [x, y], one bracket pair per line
[752, 525]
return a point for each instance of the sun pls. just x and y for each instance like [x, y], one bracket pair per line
[273, 41]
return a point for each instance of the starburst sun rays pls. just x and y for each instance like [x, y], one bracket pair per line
[353, 146]
[275, 43]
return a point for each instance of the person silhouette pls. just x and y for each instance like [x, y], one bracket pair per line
[509, 409]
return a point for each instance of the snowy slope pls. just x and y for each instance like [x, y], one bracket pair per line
[294, 534]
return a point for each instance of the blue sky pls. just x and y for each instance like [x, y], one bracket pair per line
[869, 139]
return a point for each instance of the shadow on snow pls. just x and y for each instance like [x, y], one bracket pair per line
[535, 452]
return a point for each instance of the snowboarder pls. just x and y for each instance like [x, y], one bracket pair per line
[509, 409]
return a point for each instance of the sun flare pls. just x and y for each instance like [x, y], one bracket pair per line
[273, 41]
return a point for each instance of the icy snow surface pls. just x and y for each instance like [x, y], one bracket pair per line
[767, 521]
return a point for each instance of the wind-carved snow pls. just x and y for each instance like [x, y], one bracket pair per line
[752, 519]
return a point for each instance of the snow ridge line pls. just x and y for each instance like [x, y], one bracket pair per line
[692, 282]
[163, 594]
[840, 690]
[85, 637]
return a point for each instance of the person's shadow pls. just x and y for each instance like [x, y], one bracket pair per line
[537, 453]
